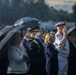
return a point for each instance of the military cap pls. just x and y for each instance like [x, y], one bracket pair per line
[60, 23]
[34, 29]
[73, 29]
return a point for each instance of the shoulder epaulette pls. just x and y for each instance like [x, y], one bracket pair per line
[56, 34]
[35, 41]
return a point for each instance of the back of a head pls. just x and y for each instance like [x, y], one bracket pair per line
[71, 32]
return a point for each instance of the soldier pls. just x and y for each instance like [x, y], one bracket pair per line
[62, 45]
[37, 57]
[26, 40]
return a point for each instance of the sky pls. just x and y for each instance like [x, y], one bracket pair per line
[65, 5]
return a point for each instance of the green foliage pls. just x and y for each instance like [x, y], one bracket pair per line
[74, 13]
[13, 10]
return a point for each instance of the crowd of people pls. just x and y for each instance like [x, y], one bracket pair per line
[43, 53]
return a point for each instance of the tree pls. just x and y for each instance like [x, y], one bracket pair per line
[74, 13]
[12, 10]
[0, 12]
[16, 9]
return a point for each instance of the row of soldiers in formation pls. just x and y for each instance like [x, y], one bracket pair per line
[39, 53]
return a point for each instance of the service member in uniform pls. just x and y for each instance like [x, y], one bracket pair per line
[71, 33]
[36, 54]
[37, 57]
[26, 40]
[62, 45]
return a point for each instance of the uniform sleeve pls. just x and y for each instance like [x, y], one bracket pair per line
[32, 46]
[24, 42]
[15, 54]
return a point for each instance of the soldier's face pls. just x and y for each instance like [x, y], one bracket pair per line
[60, 28]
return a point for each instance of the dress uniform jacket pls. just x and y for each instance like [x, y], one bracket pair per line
[37, 58]
[25, 43]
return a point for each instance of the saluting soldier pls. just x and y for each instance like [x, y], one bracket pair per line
[26, 40]
[62, 45]
[37, 57]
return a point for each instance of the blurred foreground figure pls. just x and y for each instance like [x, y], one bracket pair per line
[3, 57]
[17, 57]
[72, 56]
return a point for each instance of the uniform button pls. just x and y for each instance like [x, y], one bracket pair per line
[38, 51]
[34, 61]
